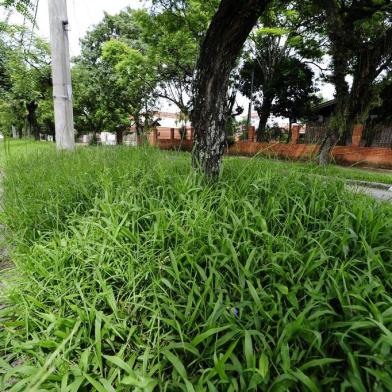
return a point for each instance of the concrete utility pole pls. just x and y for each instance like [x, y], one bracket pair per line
[61, 75]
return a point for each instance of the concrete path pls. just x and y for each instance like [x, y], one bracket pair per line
[375, 192]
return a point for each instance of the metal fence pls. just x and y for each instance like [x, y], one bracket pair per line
[377, 135]
[314, 133]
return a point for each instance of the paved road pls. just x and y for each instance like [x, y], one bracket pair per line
[379, 194]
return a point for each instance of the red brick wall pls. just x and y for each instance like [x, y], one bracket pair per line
[164, 133]
[281, 150]
[186, 145]
[350, 155]
[364, 156]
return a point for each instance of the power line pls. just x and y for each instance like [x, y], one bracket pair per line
[34, 25]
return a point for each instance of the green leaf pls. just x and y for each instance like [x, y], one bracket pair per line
[319, 362]
[96, 384]
[248, 351]
[178, 365]
[264, 365]
[205, 335]
[283, 289]
[305, 380]
[119, 363]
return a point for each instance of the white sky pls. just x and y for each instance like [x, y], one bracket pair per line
[82, 15]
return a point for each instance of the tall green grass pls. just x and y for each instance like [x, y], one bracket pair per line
[133, 273]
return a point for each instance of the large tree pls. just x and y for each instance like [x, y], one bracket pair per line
[221, 47]
[360, 45]
[279, 84]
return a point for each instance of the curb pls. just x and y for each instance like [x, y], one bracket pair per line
[368, 184]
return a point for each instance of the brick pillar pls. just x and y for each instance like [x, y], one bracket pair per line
[294, 134]
[154, 139]
[172, 136]
[357, 135]
[251, 134]
[192, 133]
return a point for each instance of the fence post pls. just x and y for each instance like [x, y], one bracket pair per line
[172, 137]
[357, 135]
[294, 134]
[154, 140]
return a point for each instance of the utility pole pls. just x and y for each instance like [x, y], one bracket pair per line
[61, 75]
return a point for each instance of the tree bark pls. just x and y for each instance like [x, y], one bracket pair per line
[225, 37]
[328, 144]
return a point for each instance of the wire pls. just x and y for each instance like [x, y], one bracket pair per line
[33, 26]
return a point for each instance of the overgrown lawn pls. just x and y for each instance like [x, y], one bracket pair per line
[134, 273]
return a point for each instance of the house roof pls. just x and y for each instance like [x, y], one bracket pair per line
[326, 104]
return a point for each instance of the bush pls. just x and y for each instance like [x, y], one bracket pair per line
[136, 274]
[230, 140]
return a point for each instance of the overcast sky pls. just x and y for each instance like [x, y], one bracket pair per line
[82, 15]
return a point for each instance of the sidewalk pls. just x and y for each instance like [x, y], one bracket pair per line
[377, 190]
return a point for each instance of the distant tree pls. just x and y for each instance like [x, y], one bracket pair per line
[383, 108]
[277, 60]
[284, 87]
[88, 108]
[105, 73]
[133, 77]
[26, 87]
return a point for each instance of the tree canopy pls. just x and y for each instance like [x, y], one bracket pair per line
[135, 61]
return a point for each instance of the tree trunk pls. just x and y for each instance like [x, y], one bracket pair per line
[264, 113]
[368, 60]
[225, 37]
[363, 96]
[119, 136]
[340, 68]
[32, 119]
[328, 144]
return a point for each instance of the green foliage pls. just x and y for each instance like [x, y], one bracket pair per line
[25, 84]
[114, 78]
[384, 104]
[22, 6]
[173, 33]
[140, 276]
